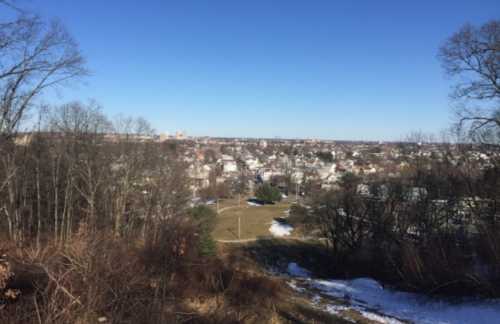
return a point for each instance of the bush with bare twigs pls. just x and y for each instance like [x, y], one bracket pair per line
[99, 277]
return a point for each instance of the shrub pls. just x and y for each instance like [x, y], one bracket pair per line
[325, 156]
[301, 217]
[100, 276]
[268, 193]
[91, 277]
[204, 218]
[7, 294]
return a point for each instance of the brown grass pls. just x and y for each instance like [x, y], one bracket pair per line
[98, 277]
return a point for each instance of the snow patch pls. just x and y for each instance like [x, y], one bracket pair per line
[369, 298]
[279, 229]
[294, 286]
[297, 271]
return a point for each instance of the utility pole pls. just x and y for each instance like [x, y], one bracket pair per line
[239, 227]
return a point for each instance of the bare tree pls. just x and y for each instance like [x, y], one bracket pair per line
[343, 218]
[472, 55]
[128, 168]
[34, 56]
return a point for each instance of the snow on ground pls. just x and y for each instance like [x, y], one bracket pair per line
[294, 286]
[297, 271]
[369, 298]
[340, 310]
[279, 229]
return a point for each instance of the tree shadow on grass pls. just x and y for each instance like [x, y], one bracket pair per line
[276, 254]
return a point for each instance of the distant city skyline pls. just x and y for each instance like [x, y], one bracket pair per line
[344, 70]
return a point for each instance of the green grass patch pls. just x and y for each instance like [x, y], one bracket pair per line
[255, 221]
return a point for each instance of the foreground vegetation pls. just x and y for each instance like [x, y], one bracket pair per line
[101, 279]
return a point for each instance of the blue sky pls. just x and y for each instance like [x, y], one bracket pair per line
[299, 69]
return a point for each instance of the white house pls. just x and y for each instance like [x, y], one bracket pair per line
[229, 164]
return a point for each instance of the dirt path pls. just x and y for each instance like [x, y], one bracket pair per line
[227, 208]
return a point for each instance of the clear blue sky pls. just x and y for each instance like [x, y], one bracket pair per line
[322, 69]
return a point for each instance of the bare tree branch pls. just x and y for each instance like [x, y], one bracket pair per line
[34, 56]
[472, 56]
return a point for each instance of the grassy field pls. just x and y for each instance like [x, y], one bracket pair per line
[255, 220]
[223, 203]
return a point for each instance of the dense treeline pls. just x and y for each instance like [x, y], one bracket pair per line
[73, 174]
